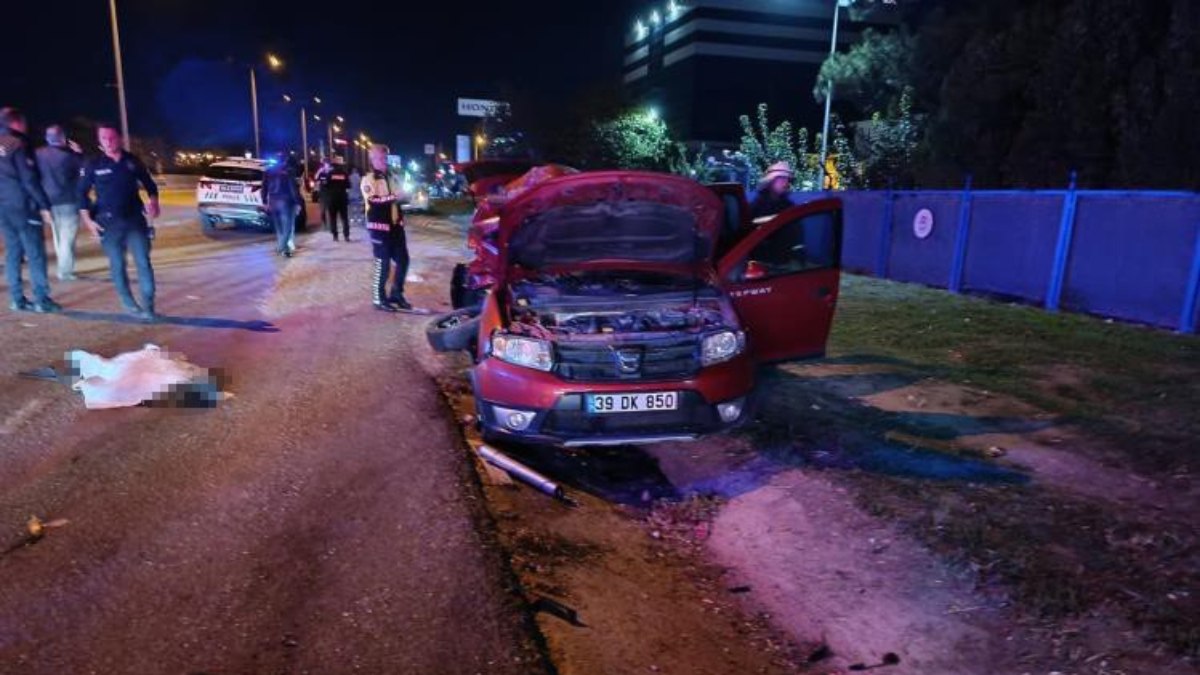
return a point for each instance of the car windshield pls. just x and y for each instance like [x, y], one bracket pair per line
[234, 173]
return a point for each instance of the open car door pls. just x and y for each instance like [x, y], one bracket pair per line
[783, 278]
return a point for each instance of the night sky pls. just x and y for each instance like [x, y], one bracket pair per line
[393, 69]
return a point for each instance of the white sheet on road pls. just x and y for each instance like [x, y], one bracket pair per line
[131, 378]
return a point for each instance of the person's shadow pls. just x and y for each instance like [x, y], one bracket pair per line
[255, 326]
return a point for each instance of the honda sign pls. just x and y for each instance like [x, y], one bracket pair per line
[477, 107]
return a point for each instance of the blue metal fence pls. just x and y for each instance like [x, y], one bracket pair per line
[1127, 255]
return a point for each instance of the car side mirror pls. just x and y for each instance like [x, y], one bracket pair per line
[754, 271]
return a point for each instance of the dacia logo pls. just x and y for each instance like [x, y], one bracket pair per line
[629, 360]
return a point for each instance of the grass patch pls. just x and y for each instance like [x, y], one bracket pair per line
[1056, 557]
[1136, 386]
[1055, 554]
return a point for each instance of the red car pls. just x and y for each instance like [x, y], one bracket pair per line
[632, 307]
[492, 183]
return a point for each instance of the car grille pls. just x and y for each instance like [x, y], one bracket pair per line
[654, 359]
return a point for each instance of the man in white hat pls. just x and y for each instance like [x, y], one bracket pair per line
[774, 191]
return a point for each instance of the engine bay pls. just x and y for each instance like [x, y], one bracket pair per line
[602, 303]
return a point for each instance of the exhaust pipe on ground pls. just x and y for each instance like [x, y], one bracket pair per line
[523, 473]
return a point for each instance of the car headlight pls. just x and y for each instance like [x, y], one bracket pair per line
[720, 347]
[523, 351]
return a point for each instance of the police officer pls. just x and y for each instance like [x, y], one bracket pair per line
[118, 216]
[24, 213]
[385, 226]
[334, 184]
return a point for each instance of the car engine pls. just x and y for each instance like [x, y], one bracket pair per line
[604, 303]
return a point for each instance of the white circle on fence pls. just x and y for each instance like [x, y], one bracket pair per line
[923, 224]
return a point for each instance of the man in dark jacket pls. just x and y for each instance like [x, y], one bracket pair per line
[59, 166]
[334, 184]
[24, 212]
[284, 203]
[117, 215]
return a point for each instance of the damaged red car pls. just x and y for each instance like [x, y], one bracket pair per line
[634, 307]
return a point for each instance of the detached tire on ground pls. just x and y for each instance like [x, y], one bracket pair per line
[454, 331]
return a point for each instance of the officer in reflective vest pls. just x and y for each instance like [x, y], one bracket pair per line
[385, 226]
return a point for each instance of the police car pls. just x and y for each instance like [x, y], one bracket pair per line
[231, 191]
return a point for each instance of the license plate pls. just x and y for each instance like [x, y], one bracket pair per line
[236, 189]
[603, 404]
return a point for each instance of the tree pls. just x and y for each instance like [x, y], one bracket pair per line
[888, 147]
[873, 74]
[763, 146]
[633, 139]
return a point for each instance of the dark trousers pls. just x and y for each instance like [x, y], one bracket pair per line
[130, 237]
[390, 250]
[283, 218]
[334, 209]
[24, 241]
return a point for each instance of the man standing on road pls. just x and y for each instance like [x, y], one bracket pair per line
[24, 212]
[118, 216]
[285, 204]
[385, 226]
[59, 166]
[334, 184]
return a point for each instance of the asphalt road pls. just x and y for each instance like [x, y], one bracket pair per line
[323, 520]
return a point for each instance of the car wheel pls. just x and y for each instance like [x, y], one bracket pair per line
[454, 331]
[209, 223]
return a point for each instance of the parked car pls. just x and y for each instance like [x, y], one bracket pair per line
[632, 307]
[231, 190]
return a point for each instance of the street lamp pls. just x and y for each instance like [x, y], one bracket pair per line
[304, 132]
[837, 10]
[275, 64]
[116, 36]
[330, 127]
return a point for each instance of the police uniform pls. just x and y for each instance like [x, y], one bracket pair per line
[21, 197]
[334, 185]
[385, 226]
[119, 210]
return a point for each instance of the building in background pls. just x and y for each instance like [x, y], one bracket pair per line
[703, 63]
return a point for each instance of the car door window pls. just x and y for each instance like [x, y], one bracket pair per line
[804, 244]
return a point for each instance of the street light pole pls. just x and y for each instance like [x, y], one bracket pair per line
[254, 106]
[116, 36]
[837, 7]
[304, 142]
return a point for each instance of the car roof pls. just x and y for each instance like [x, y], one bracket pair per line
[241, 162]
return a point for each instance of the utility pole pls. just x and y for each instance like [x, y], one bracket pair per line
[837, 10]
[116, 36]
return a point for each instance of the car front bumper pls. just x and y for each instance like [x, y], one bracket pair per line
[556, 414]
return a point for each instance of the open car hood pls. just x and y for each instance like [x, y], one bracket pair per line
[610, 218]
